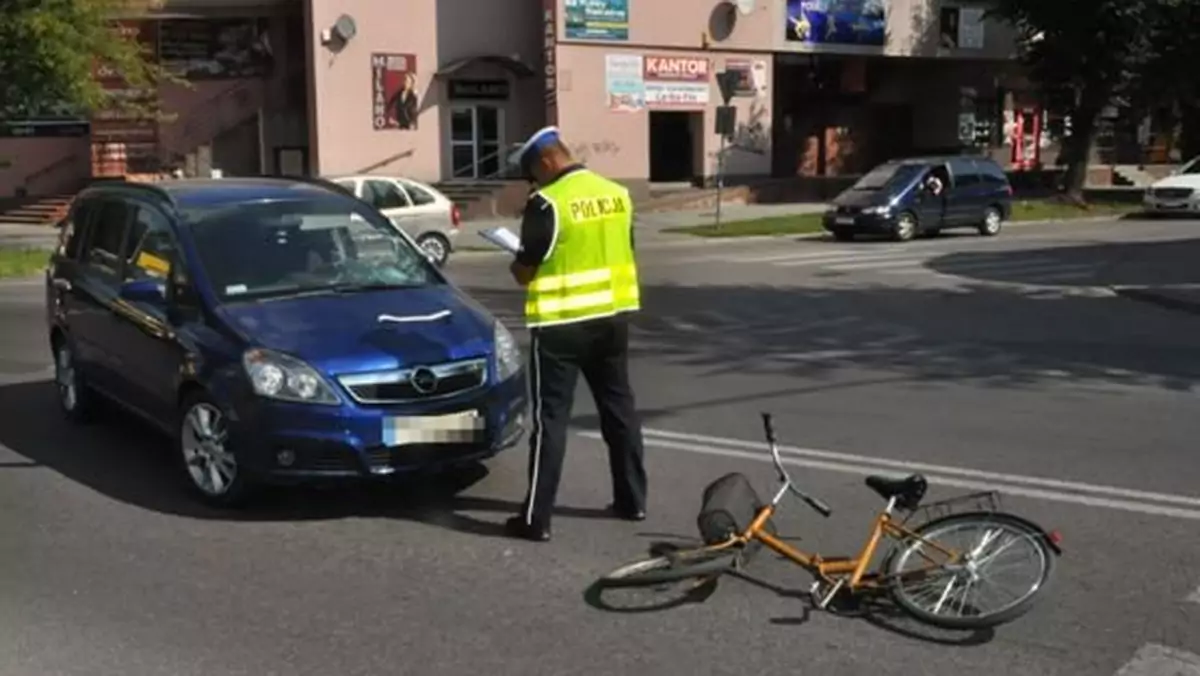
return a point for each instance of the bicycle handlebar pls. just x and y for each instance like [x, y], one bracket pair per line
[769, 431]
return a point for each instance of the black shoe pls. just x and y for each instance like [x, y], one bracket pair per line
[517, 528]
[636, 514]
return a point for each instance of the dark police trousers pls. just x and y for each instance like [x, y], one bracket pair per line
[599, 349]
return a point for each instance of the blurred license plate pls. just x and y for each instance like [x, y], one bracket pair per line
[450, 428]
[845, 220]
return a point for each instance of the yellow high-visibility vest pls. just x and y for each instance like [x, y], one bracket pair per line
[590, 271]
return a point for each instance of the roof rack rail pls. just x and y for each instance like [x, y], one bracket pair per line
[313, 180]
[124, 182]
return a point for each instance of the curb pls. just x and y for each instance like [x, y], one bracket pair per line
[681, 240]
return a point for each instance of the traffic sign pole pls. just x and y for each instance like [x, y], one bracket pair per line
[727, 82]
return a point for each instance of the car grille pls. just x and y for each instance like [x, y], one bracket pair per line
[1173, 193]
[416, 384]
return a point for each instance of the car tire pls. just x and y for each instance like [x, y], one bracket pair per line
[75, 398]
[906, 227]
[993, 221]
[436, 247]
[207, 460]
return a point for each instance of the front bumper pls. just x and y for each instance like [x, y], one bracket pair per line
[280, 442]
[874, 223]
[1160, 205]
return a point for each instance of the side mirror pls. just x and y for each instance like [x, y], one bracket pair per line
[150, 291]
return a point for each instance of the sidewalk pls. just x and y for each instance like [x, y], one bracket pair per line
[17, 236]
[649, 226]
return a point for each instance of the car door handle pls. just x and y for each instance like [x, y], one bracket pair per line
[62, 284]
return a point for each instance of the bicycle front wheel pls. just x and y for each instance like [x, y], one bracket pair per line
[1007, 562]
[674, 567]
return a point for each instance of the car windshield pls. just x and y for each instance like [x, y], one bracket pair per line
[285, 248]
[887, 176]
[1192, 167]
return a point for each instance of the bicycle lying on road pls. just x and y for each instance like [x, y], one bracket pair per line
[946, 589]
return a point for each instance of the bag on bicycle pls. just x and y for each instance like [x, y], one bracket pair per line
[727, 508]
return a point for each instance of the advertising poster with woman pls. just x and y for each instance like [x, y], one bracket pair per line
[837, 22]
[394, 91]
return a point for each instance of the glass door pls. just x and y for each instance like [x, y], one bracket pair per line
[476, 141]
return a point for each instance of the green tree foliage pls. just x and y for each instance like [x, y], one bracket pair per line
[50, 51]
[1170, 77]
[1082, 54]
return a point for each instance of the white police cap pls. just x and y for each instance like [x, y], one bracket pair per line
[542, 138]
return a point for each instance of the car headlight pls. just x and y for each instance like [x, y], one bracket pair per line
[278, 376]
[508, 355]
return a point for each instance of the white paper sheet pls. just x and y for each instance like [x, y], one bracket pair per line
[502, 237]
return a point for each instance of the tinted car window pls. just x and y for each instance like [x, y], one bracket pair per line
[106, 236]
[384, 195]
[888, 177]
[75, 228]
[965, 173]
[420, 197]
[1192, 167]
[308, 245]
[991, 173]
[151, 249]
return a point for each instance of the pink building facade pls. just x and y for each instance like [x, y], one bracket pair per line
[439, 89]
[632, 84]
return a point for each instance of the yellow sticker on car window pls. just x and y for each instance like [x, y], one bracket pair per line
[151, 263]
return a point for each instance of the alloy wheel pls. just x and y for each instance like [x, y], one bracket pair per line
[205, 437]
[66, 379]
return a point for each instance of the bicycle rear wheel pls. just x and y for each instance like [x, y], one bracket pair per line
[963, 595]
[673, 567]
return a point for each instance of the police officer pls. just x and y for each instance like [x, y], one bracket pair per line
[577, 265]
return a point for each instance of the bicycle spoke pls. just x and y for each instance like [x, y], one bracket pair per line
[997, 561]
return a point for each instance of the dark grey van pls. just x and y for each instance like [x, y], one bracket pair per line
[896, 199]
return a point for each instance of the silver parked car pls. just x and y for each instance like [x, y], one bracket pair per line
[416, 208]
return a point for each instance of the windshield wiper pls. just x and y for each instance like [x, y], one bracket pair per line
[370, 286]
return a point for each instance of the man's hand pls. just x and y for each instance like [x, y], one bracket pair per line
[522, 274]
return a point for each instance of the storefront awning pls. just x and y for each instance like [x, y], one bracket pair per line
[512, 64]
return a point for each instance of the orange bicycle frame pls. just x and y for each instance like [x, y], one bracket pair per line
[830, 569]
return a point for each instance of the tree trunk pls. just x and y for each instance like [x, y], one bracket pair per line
[1189, 145]
[1077, 149]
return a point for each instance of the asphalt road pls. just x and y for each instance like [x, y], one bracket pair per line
[1001, 362]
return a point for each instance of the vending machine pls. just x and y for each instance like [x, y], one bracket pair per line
[1026, 138]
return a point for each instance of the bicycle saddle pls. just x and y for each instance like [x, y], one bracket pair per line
[907, 491]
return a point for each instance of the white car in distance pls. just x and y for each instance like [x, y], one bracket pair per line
[419, 209]
[1178, 193]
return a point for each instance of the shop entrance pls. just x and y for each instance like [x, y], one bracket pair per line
[476, 141]
[675, 143]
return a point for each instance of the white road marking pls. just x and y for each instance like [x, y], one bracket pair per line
[859, 264]
[795, 260]
[1158, 660]
[1111, 497]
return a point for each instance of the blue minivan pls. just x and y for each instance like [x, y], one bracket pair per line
[278, 330]
[895, 199]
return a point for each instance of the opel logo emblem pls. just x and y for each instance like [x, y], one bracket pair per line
[423, 380]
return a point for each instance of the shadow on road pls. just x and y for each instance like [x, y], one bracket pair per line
[876, 611]
[121, 458]
[1153, 263]
[837, 337]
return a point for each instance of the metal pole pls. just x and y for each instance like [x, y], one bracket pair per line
[720, 177]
